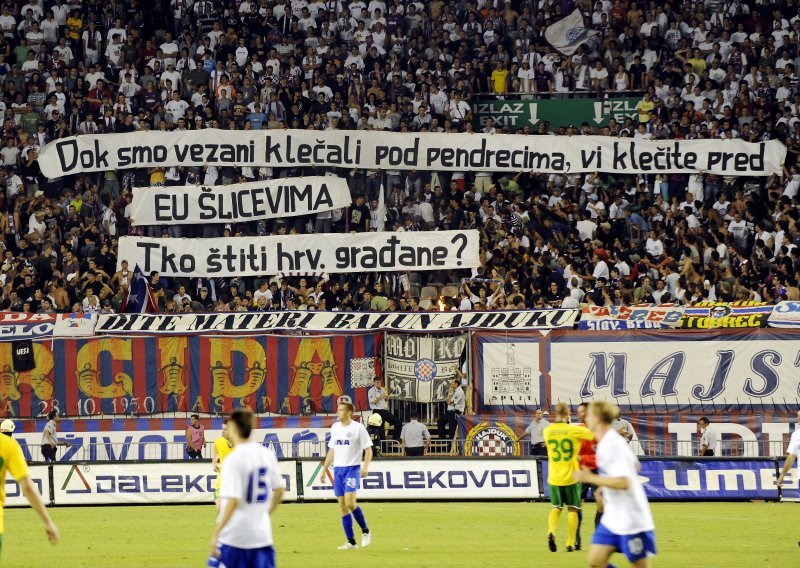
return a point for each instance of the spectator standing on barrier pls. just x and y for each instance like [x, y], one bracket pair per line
[195, 438]
[447, 423]
[623, 427]
[222, 447]
[708, 438]
[415, 437]
[535, 430]
[50, 439]
[378, 397]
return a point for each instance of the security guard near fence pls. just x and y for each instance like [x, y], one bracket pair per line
[455, 407]
[378, 397]
[415, 437]
[708, 438]
[536, 431]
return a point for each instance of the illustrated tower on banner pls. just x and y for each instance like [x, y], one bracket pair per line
[512, 379]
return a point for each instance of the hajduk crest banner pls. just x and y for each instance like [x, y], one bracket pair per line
[407, 151]
[420, 368]
[331, 253]
[251, 201]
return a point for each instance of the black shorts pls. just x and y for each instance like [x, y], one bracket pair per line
[585, 487]
[49, 452]
[415, 452]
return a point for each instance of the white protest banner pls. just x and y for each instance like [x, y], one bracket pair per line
[251, 201]
[332, 321]
[405, 151]
[331, 253]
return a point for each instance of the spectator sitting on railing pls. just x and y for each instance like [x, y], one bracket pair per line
[195, 438]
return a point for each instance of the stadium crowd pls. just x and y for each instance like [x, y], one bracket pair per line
[703, 69]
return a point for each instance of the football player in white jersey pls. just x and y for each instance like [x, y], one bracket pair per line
[792, 453]
[252, 488]
[627, 524]
[349, 439]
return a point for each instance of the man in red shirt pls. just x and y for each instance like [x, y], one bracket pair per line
[587, 458]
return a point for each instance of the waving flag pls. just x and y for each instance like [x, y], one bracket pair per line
[140, 298]
[569, 34]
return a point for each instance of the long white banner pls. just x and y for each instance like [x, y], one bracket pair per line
[703, 370]
[404, 151]
[331, 253]
[433, 479]
[333, 321]
[287, 197]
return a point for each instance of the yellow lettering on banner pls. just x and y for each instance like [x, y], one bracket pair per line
[314, 362]
[39, 378]
[221, 356]
[173, 355]
[199, 405]
[88, 364]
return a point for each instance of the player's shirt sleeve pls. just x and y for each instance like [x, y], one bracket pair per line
[581, 433]
[794, 444]
[274, 472]
[15, 461]
[364, 439]
[232, 483]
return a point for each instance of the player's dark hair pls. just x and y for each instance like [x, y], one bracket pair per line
[242, 418]
[704, 420]
[583, 404]
[52, 414]
[195, 416]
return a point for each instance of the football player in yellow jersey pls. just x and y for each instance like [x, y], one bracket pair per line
[13, 462]
[222, 447]
[563, 441]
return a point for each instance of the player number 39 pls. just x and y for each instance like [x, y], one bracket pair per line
[561, 451]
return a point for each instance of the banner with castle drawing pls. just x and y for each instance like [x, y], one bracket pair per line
[145, 375]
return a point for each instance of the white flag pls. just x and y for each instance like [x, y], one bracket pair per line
[569, 34]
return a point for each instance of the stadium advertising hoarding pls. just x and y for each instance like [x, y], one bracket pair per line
[408, 151]
[330, 253]
[141, 445]
[707, 480]
[450, 479]
[640, 316]
[334, 321]
[146, 484]
[15, 498]
[253, 201]
[145, 375]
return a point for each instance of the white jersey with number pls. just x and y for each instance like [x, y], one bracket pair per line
[251, 473]
[348, 443]
[794, 442]
[626, 511]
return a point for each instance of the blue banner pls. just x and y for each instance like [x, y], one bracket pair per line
[709, 480]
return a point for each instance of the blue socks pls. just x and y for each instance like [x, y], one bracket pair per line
[358, 514]
[347, 523]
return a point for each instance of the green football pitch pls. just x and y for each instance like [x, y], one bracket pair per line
[412, 535]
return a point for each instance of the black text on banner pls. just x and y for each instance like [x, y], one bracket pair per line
[251, 201]
[332, 253]
[404, 151]
[333, 321]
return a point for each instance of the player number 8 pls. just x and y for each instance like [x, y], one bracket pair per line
[563, 451]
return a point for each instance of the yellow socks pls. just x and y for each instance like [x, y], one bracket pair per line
[572, 527]
[552, 520]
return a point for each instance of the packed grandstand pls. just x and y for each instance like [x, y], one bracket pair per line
[698, 71]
